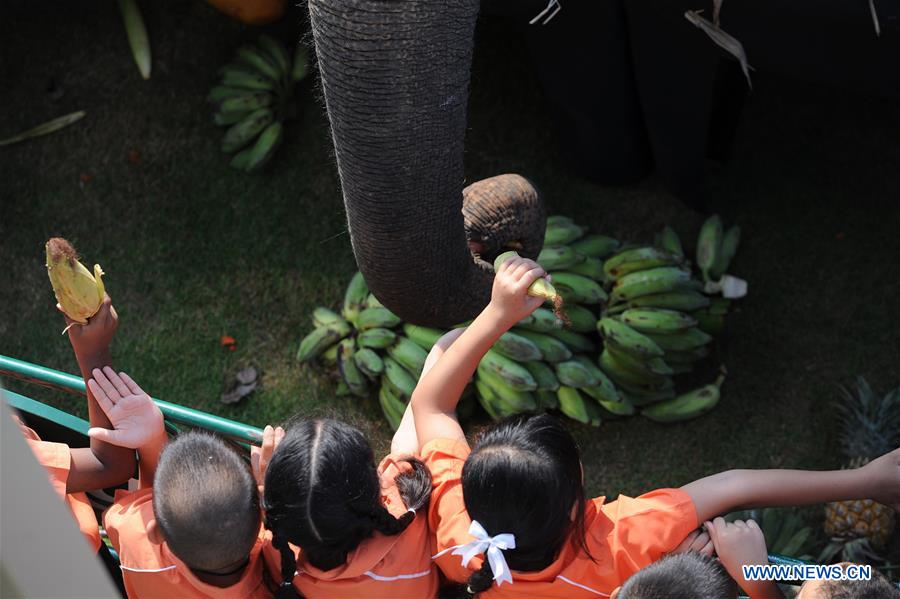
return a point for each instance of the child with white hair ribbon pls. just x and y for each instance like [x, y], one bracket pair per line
[513, 506]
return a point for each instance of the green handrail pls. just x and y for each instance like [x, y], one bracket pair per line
[34, 373]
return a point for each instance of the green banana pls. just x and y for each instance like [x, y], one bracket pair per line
[319, 340]
[642, 397]
[233, 76]
[408, 354]
[276, 52]
[403, 382]
[257, 59]
[578, 288]
[301, 63]
[490, 402]
[562, 233]
[552, 349]
[369, 363]
[520, 401]
[591, 268]
[686, 300]
[681, 341]
[638, 259]
[604, 389]
[223, 119]
[391, 406]
[709, 244]
[581, 320]
[223, 92]
[514, 374]
[322, 317]
[627, 338]
[595, 246]
[517, 347]
[712, 324]
[687, 405]
[557, 220]
[572, 373]
[424, 337]
[355, 296]
[547, 399]
[371, 318]
[617, 409]
[668, 240]
[730, 241]
[249, 101]
[542, 321]
[543, 375]
[639, 366]
[558, 257]
[373, 302]
[253, 158]
[657, 320]
[629, 380]
[646, 282]
[355, 379]
[573, 405]
[575, 341]
[243, 132]
[377, 338]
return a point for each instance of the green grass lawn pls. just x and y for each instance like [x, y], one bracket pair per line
[195, 250]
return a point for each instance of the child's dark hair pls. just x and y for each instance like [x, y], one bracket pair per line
[680, 576]
[878, 587]
[323, 494]
[206, 502]
[524, 477]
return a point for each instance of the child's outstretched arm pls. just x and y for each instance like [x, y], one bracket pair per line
[137, 422]
[435, 397]
[103, 465]
[741, 544]
[721, 493]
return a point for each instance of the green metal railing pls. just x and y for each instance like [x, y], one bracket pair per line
[173, 413]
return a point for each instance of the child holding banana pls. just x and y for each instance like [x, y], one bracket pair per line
[514, 506]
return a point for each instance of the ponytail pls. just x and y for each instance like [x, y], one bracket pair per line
[415, 484]
[286, 588]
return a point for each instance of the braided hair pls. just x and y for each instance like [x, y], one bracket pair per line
[322, 493]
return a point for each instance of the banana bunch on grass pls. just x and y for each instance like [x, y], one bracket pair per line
[253, 98]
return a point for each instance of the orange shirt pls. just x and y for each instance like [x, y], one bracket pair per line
[56, 459]
[381, 567]
[623, 536]
[151, 570]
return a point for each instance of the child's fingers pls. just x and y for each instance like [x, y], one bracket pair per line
[713, 533]
[107, 386]
[132, 386]
[752, 525]
[709, 549]
[279, 435]
[530, 277]
[511, 263]
[117, 381]
[105, 435]
[522, 268]
[100, 395]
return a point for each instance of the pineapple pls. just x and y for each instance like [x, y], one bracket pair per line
[871, 427]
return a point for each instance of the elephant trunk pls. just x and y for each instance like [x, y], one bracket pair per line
[395, 77]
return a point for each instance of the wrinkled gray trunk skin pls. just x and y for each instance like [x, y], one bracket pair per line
[395, 75]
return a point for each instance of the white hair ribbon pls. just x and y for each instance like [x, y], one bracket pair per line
[493, 547]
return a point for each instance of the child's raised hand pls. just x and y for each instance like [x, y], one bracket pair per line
[93, 339]
[260, 456]
[882, 476]
[135, 418]
[739, 544]
[509, 296]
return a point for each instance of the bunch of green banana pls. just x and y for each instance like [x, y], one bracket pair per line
[687, 405]
[253, 99]
[716, 248]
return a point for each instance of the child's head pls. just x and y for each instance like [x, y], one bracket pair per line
[323, 494]
[878, 587]
[524, 477]
[680, 576]
[206, 503]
